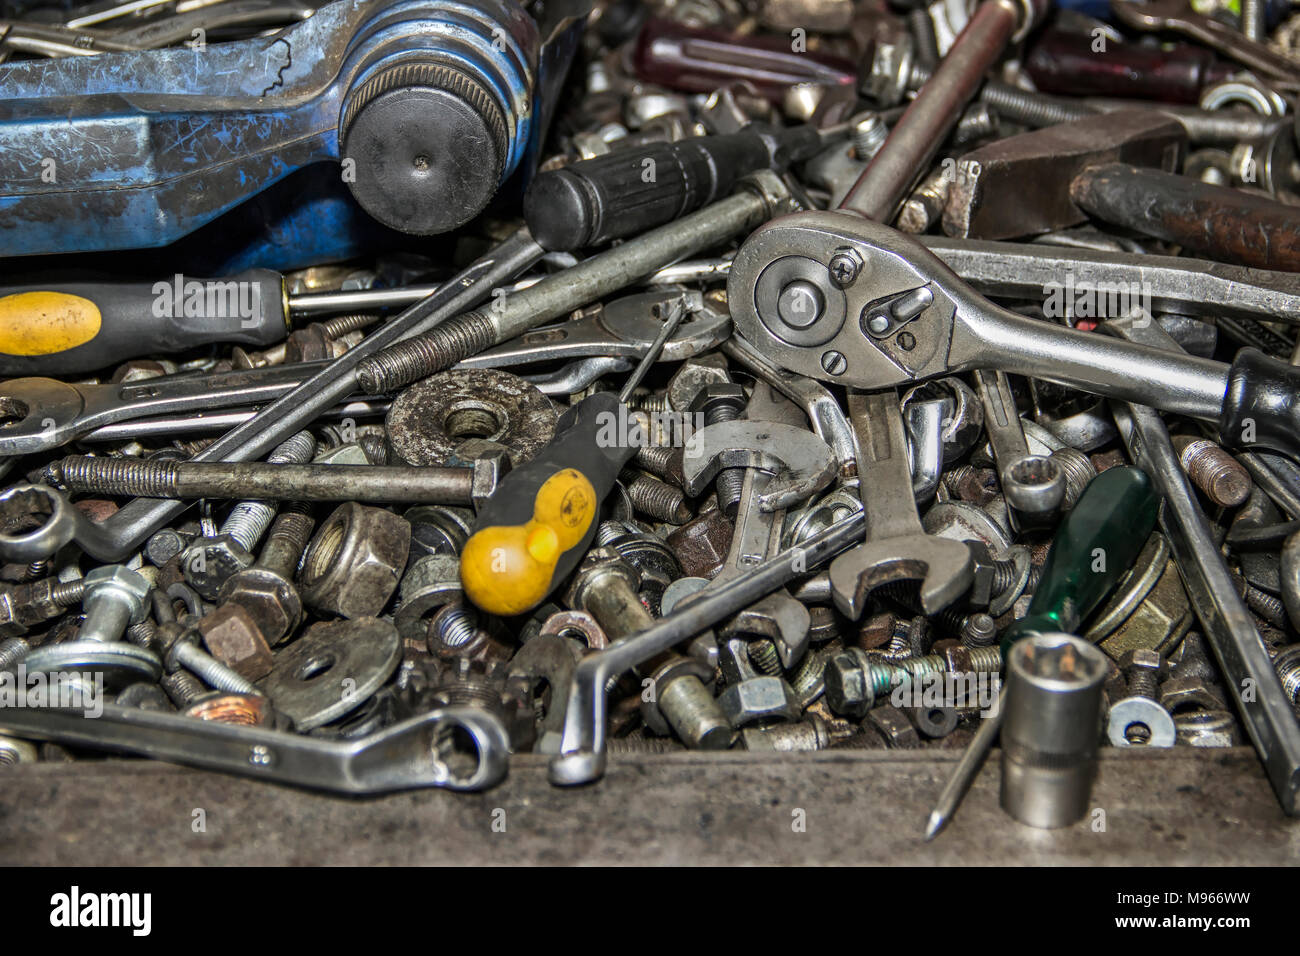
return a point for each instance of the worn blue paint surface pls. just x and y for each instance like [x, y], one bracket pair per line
[135, 150]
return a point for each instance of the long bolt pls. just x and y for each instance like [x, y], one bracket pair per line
[592, 279]
[267, 481]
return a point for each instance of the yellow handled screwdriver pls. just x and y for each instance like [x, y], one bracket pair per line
[536, 527]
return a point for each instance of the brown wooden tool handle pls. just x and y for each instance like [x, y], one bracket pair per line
[1223, 223]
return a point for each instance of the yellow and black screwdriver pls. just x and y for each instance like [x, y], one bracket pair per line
[541, 519]
[68, 327]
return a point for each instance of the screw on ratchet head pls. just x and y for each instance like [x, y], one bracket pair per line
[908, 317]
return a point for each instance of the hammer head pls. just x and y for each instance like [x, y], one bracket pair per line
[1020, 186]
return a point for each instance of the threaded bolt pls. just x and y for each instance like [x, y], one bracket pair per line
[1143, 683]
[1019, 106]
[1218, 474]
[662, 461]
[415, 358]
[343, 324]
[979, 630]
[976, 123]
[286, 542]
[142, 634]
[923, 209]
[1078, 470]
[610, 531]
[12, 651]
[248, 520]
[212, 671]
[763, 655]
[1287, 665]
[868, 136]
[1267, 606]
[182, 687]
[659, 500]
[454, 626]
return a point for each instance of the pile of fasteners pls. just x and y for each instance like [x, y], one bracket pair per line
[782, 375]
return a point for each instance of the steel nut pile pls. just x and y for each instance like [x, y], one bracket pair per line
[391, 388]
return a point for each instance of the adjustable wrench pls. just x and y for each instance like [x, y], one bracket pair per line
[414, 753]
[907, 317]
[897, 547]
[623, 328]
[783, 465]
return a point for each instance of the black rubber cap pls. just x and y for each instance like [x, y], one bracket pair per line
[429, 143]
[559, 210]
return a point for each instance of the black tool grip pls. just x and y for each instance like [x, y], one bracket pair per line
[628, 191]
[1262, 405]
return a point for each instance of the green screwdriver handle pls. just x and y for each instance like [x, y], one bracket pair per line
[1096, 545]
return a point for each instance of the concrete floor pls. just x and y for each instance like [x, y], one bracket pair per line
[1174, 807]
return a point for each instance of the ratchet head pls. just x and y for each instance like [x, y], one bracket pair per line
[842, 299]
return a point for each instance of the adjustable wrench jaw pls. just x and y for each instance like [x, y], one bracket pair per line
[890, 325]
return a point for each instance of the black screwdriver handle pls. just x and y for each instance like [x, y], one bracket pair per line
[628, 191]
[1262, 405]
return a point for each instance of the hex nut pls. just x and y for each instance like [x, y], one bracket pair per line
[718, 395]
[1140, 659]
[270, 599]
[353, 563]
[701, 545]
[693, 375]
[759, 698]
[232, 636]
[208, 562]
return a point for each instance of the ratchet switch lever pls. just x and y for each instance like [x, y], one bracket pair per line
[851, 332]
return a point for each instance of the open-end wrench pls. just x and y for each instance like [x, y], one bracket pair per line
[907, 317]
[897, 547]
[821, 407]
[1033, 485]
[420, 752]
[783, 465]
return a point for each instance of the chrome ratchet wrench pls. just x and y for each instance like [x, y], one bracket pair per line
[890, 312]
